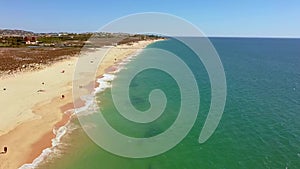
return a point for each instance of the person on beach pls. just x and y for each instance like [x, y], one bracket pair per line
[4, 150]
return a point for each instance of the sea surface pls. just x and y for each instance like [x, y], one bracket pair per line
[260, 126]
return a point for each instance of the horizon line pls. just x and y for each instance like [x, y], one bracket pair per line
[208, 36]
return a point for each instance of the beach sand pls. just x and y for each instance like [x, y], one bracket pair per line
[31, 105]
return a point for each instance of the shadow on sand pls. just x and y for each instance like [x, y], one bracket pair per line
[4, 151]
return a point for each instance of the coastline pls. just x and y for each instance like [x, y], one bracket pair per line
[47, 115]
[30, 115]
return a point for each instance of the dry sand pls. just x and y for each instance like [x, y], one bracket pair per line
[28, 117]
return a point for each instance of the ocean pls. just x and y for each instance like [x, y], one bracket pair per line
[260, 126]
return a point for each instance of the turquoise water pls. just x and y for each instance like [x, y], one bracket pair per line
[260, 127]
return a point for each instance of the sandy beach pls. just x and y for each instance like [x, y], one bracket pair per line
[32, 105]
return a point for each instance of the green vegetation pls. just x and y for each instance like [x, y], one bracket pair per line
[17, 38]
[12, 42]
[74, 40]
[64, 38]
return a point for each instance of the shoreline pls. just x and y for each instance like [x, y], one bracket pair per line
[44, 141]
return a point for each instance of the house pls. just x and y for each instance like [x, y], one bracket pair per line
[30, 40]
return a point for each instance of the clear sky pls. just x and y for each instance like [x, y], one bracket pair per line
[259, 18]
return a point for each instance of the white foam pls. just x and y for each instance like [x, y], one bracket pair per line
[45, 153]
[89, 107]
[104, 83]
[90, 104]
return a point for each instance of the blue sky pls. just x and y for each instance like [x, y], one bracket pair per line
[256, 18]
